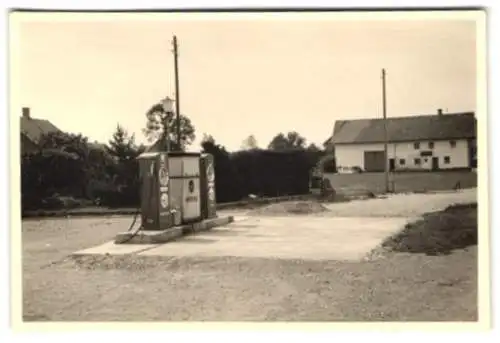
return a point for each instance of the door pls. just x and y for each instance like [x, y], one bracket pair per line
[392, 164]
[374, 161]
[435, 163]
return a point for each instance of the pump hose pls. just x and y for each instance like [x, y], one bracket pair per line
[135, 219]
[132, 225]
[137, 214]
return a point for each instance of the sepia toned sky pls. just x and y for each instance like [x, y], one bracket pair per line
[240, 76]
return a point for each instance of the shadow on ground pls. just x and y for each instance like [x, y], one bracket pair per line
[438, 233]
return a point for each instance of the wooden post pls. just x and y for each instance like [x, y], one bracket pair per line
[384, 110]
[177, 95]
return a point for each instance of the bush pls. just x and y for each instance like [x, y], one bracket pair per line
[57, 202]
[271, 173]
[127, 196]
[69, 172]
[46, 173]
[328, 164]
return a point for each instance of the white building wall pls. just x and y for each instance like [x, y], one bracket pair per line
[352, 155]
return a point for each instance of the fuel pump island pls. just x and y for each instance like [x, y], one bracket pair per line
[177, 197]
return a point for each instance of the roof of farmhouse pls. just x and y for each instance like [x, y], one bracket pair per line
[403, 129]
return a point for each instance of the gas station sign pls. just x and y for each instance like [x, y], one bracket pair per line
[163, 180]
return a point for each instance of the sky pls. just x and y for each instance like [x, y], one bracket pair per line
[240, 76]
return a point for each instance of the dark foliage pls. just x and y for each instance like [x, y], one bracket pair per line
[226, 181]
[68, 171]
[124, 172]
[292, 140]
[328, 164]
[48, 172]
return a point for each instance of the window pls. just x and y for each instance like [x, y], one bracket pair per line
[416, 145]
[402, 162]
[417, 161]
[453, 144]
[431, 145]
[447, 159]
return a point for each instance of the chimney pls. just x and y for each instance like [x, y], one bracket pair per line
[26, 113]
[440, 111]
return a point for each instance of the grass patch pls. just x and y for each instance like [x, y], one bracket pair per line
[438, 233]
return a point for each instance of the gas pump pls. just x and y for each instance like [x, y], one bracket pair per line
[207, 181]
[177, 188]
[155, 196]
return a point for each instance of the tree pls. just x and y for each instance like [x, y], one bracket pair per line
[163, 126]
[122, 145]
[313, 148]
[65, 164]
[66, 142]
[292, 141]
[314, 154]
[209, 145]
[249, 143]
[207, 139]
[125, 152]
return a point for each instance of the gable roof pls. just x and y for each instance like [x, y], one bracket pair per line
[403, 129]
[34, 128]
[158, 146]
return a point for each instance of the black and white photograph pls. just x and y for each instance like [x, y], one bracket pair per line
[250, 166]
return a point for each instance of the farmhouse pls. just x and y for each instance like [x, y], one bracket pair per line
[423, 142]
[32, 129]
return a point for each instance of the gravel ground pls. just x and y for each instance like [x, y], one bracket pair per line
[399, 288]
[290, 207]
[395, 205]
[402, 205]
[405, 287]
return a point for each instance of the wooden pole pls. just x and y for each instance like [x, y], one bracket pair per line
[384, 110]
[177, 96]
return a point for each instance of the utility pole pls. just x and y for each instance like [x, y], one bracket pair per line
[384, 110]
[177, 104]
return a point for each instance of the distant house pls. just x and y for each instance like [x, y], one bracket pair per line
[32, 130]
[423, 142]
[157, 146]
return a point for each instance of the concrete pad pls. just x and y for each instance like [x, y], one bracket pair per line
[208, 224]
[347, 232]
[294, 237]
[115, 249]
[164, 236]
[148, 236]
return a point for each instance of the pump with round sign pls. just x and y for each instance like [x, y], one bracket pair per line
[176, 188]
